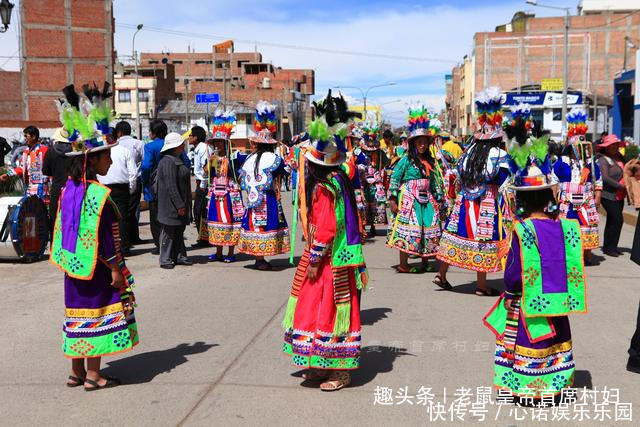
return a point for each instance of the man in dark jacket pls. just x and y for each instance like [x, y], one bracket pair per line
[172, 185]
[56, 165]
[5, 149]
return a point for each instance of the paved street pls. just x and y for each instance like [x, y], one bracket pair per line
[210, 351]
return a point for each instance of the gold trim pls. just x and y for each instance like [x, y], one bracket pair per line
[533, 352]
[94, 312]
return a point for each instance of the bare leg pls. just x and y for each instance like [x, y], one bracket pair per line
[77, 370]
[587, 255]
[442, 272]
[219, 252]
[231, 250]
[93, 370]
[482, 281]
[404, 261]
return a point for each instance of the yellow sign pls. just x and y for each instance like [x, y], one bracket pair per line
[552, 84]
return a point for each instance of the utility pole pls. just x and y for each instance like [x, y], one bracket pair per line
[186, 83]
[565, 73]
[135, 70]
[224, 78]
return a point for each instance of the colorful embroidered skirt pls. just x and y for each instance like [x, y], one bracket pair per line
[95, 323]
[375, 204]
[475, 236]
[311, 342]
[223, 224]
[533, 369]
[578, 202]
[416, 228]
[264, 229]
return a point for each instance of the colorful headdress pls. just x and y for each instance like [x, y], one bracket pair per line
[529, 158]
[418, 122]
[370, 130]
[86, 120]
[489, 106]
[328, 132]
[577, 122]
[223, 122]
[522, 112]
[265, 123]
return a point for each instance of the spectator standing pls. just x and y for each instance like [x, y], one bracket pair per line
[150, 160]
[121, 179]
[201, 155]
[5, 149]
[56, 165]
[136, 147]
[173, 188]
[613, 192]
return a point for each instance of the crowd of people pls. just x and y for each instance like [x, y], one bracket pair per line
[511, 200]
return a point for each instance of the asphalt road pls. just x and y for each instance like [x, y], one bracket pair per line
[210, 351]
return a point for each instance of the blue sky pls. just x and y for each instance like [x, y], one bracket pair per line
[439, 33]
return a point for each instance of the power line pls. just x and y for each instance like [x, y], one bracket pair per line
[291, 46]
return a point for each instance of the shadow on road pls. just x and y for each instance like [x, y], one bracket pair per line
[279, 264]
[373, 315]
[470, 288]
[375, 360]
[144, 367]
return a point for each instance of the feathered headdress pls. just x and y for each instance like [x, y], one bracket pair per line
[223, 122]
[529, 158]
[577, 122]
[265, 123]
[418, 121]
[489, 107]
[370, 130]
[328, 132]
[522, 112]
[86, 120]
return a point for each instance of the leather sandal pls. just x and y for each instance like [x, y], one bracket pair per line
[111, 382]
[77, 381]
[444, 284]
[336, 381]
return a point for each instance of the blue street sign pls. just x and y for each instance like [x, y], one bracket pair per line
[207, 98]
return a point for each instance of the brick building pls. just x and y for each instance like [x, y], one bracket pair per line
[62, 42]
[527, 50]
[241, 78]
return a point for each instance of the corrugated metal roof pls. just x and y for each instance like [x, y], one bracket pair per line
[178, 108]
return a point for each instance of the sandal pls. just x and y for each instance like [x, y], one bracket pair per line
[444, 284]
[111, 382]
[76, 381]
[229, 259]
[412, 270]
[489, 293]
[336, 381]
[214, 258]
[315, 375]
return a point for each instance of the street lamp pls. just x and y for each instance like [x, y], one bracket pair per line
[365, 93]
[135, 67]
[5, 14]
[565, 63]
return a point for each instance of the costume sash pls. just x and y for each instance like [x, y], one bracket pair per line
[535, 301]
[76, 252]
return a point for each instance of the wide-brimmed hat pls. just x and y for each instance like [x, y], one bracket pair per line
[610, 140]
[369, 140]
[172, 140]
[529, 159]
[489, 107]
[61, 135]
[329, 131]
[265, 123]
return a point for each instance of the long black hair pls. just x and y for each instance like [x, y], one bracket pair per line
[475, 166]
[529, 202]
[414, 156]
[321, 175]
[77, 166]
[260, 149]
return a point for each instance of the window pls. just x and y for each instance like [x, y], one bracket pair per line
[153, 61]
[143, 95]
[124, 96]
[557, 114]
[176, 62]
[204, 62]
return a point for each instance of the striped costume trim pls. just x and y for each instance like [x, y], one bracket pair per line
[93, 312]
[341, 292]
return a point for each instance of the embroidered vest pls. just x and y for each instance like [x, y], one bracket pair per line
[78, 259]
[535, 301]
[347, 246]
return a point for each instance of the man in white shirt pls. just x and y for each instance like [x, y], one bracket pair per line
[136, 147]
[121, 179]
[201, 156]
